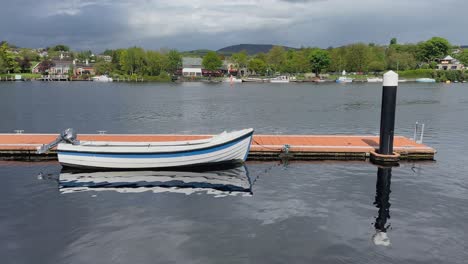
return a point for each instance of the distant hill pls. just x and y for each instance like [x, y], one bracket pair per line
[195, 53]
[251, 49]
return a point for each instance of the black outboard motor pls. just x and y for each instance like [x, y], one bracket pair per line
[68, 135]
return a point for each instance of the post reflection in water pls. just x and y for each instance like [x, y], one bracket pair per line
[382, 201]
[222, 182]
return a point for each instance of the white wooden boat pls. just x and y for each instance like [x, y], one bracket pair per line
[102, 78]
[232, 147]
[233, 179]
[280, 79]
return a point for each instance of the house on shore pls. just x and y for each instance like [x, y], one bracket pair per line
[449, 63]
[63, 68]
[60, 67]
[191, 67]
[231, 68]
[83, 68]
[105, 58]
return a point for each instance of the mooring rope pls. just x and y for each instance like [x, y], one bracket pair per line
[263, 146]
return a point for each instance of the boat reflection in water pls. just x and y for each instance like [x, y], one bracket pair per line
[223, 182]
[382, 201]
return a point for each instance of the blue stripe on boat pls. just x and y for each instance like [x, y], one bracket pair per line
[247, 153]
[151, 155]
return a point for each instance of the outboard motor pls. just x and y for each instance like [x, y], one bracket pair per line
[68, 135]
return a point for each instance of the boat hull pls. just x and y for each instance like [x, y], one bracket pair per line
[425, 80]
[233, 80]
[233, 151]
[374, 80]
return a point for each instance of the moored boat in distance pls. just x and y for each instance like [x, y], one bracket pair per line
[344, 79]
[102, 78]
[426, 80]
[258, 80]
[375, 80]
[232, 80]
[280, 79]
[232, 147]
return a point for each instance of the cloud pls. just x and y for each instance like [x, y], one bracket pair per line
[191, 24]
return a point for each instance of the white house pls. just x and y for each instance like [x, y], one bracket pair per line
[449, 63]
[191, 67]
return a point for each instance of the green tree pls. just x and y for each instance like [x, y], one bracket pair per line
[261, 56]
[257, 65]
[463, 57]
[123, 61]
[60, 47]
[432, 49]
[132, 61]
[376, 66]
[319, 60]
[240, 59]
[103, 67]
[211, 61]
[173, 61]
[338, 59]
[400, 60]
[29, 54]
[108, 52]
[10, 64]
[357, 57]
[276, 57]
[3, 66]
[300, 61]
[393, 41]
[154, 63]
[84, 55]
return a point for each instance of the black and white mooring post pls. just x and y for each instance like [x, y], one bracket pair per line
[387, 120]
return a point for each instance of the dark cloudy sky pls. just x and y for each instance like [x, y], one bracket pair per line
[213, 24]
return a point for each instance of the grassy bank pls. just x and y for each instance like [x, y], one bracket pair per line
[142, 78]
[419, 73]
[23, 75]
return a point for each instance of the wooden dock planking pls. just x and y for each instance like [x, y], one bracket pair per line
[264, 147]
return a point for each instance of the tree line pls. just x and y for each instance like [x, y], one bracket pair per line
[358, 57]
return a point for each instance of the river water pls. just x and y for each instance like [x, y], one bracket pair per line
[301, 212]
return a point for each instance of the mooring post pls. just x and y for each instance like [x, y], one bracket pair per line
[387, 120]
[387, 115]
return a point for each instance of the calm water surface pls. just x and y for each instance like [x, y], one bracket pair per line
[313, 212]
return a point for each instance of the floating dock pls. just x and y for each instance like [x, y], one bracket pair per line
[264, 147]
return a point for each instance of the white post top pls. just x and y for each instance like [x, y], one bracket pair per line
[390, 79]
